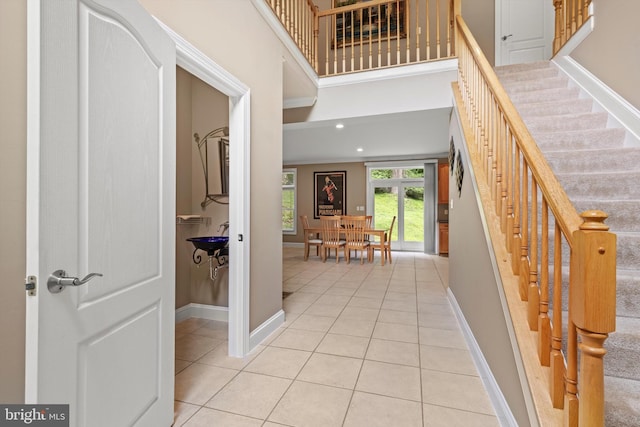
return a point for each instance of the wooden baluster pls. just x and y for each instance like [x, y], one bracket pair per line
[533, 291]
[418, 30]
[398, 33]
[559, 28]
[515, 258]
[571, 376]
[352, 56]
[500, 144]
[332, 19]
[544, 323]
[592, 308]
[344, 45]
[408, 26]
[370, 62]
[361, 37]
[579, 18]
[379, 36]
[449, 27]
[279, 10]
[509, 180]
[574, 16]
[437, 29]
[524, 243]
[556, 373]
[388, 21]
[428, 22]
[585, 11]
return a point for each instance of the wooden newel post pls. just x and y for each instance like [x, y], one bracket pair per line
[559, 30]
[593, 309]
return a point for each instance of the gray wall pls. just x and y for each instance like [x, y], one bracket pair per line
[13, 173]
[475, 285]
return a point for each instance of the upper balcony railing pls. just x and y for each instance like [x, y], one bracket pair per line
[570, 15]
[361, 36]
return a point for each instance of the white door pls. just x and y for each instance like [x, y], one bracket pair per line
[524, 31]
[101, 198]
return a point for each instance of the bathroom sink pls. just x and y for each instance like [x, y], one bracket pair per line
[211, 244]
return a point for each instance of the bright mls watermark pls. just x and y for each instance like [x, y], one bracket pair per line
[34, 415]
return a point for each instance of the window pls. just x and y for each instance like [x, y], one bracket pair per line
[289, 201]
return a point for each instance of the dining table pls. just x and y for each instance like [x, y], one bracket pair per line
[381, 233]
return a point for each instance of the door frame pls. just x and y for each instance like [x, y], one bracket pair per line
[198, 64]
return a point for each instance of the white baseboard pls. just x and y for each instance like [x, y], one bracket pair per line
[267, 328]
[500, 405]
[202, 311]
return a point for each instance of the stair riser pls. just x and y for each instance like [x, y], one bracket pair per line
[566, 123]
[546, 109]
[599, 186]
[594, 160]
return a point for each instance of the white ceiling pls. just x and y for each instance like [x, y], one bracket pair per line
[396, 136]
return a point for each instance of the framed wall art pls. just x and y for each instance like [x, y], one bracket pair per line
[329, 193]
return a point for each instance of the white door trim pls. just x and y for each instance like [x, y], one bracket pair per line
[197, 63]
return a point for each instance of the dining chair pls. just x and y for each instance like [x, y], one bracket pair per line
[354, 229]
[383, 246]
[310, 239]
[331, 231]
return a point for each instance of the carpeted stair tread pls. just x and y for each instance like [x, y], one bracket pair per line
[622, 402]
[581, 139]
[624, 215]
[547, 95]
[537, 85]
[627, 292]
[566, 122]
[595, 160]
[506, 69]
[593, 186]
[623, 346]
[512, 77]
[546, 108]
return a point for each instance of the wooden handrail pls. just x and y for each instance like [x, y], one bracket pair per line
[523, 192]
[570, 16]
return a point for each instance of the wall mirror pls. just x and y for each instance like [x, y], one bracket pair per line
[209, 162]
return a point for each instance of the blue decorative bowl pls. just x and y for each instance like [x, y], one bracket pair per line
[210, 244]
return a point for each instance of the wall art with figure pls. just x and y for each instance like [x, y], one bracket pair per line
[330, 194]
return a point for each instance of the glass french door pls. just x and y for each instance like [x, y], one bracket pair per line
[399, 192]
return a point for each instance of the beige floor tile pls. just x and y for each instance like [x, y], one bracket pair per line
[298, 339]
[371, 410]
[335, 371]
[327, 310]
[401, 353]
[365, 302]
[396, 332]
[344, 345]
[442, 338]
[219, 356]
[339, 289]
[360, 313]
[182, 412]
[438, 321]
[313, 323]
[279, 362]
[189, 325]
[390, 380]
[393, 294]
[192, 347]
[206, 417]
[395, 316]
[180, 365]
[439, 416]
[455, 391]
[366, 291]
[335, 300]
[446, 359]
[198, 383]
[355, 327]
[306, 404]
[399, 306]
[290, 306]
[252, 395]
[434, 308]
[303, 297]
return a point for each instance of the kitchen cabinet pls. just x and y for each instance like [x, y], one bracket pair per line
[443, 183]
[443, 237]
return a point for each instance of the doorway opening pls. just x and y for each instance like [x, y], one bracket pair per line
[199, 65]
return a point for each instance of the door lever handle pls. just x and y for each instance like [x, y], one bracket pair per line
[504, 38]
[59, 280]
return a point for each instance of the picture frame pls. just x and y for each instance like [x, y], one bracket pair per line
[376, 23]
[329, 193]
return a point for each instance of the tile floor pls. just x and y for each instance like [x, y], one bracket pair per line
[362, 345]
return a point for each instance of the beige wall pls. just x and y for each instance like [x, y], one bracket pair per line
[13, 172]
[473, 281]
[611, 51]
[227, 31]
[480, 18]
[356, 191]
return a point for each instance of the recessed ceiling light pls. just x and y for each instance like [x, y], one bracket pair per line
[339, 126]
[359, 149]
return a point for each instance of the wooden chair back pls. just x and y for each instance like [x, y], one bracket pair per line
[356, 239]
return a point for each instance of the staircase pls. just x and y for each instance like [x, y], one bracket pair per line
[598, 171]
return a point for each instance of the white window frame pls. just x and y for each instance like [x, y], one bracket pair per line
[294, 171]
